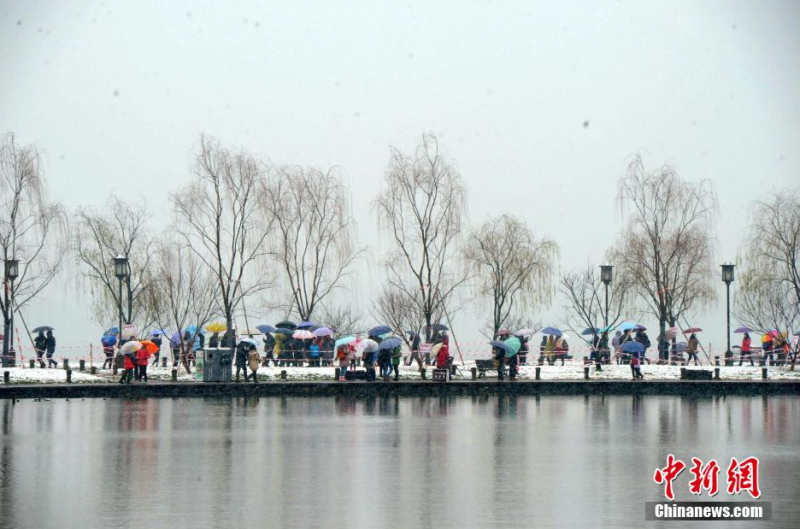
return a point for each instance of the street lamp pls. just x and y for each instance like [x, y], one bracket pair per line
[121, 271]
[727, 278]
[606, 275]
[11, 270]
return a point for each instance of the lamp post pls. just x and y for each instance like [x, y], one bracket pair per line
[121, 271]
[11, 272]
[606, 275]
[727, 278]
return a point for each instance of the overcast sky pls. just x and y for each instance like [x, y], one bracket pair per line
[540, 104]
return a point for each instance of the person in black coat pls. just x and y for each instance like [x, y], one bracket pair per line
[50, 347]
[642, 338]
[40, 344]
[242, 350]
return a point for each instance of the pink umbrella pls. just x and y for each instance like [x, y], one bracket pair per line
[303, 335]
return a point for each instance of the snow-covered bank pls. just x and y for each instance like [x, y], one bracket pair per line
[569, 371]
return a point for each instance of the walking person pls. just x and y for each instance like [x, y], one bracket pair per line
[523, 350]
[766, 349]
[414, 349]
[616, 343]
[636, 370]
[156, 340]
[252, 362]
[443, 355]
[397, 357]
[691, 350]
[269, 349]
[142, 359]
[50, 347]
[343, 357]
[746, 350]
[242, 351]
[385, 363]
[542, 350]
[108, 350]
[642, 338]
[550, 350]
[40, 343]
[128, 365]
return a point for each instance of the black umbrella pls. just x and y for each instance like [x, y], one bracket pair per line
[281, 330]
[286, 325]
[43, 328]
[440, 327]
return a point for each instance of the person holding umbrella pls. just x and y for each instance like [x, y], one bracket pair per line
[691, 350]
[550, 350]
[40, 343]
[746, 350]
[512, 358]
[397, 357]
[443, 354]
[156, 339]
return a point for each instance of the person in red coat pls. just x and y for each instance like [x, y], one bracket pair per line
[129, 366]
[443, 355]
[746, 350]
[142, 359]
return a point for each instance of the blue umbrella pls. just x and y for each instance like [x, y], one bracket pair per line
[590, 330]
[113, 331]
[176, 339]
[633, 347]
[681, 346]
[250, 341]
[743, 329]
[391, 343]
[323, 331]
[344, 341]
[159, 332]
[627, 326]
[108, 341]
[287, 332]
[305, 324]
[502, 345]
[191, 329]
[551, 331]
[380, 329]
[266, 329]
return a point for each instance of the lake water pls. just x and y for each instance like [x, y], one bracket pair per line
[382, 462]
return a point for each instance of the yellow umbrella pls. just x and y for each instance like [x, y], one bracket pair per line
[216, 327]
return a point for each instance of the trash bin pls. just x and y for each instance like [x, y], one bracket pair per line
[216, 365]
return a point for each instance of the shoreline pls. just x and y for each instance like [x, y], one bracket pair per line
[408, 388]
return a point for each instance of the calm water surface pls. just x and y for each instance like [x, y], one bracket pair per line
[382, 462]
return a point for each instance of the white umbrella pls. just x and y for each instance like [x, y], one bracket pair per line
[130, 347]
[369, 346]
[525, 332]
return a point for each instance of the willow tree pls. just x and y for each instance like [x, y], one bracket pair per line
[313, 245]
[119, 229]
[187, 292]
[666, 248]
[421, 208]
[223, 219]
[33, 231]
[513, 268]
[768, 293]
[586, 305]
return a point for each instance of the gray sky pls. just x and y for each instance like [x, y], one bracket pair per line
[116, 94]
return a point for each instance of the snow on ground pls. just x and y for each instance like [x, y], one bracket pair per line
[569, 371]
[19, 375]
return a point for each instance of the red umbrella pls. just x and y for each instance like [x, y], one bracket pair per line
[692, 330]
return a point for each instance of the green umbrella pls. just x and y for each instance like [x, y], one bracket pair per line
[513, 344]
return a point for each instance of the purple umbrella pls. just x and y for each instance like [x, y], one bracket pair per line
[743, 329]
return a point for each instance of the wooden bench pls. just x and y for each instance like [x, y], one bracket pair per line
[484, 366]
